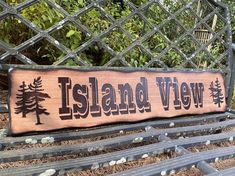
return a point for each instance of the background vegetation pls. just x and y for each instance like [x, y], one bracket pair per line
[44, 16]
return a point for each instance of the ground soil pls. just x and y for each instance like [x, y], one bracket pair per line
[117, 168]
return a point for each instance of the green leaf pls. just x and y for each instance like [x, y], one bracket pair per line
[80, 2]
[70, 33]
[93, 14]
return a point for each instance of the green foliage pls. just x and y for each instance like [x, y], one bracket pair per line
[231, 5]
[71, 6]
[117, 40]
[14, 2]
[10, 35]
[136, 26]
[42, 15]
[117, 11]
[95, 55]
[156, 44]
[172, 58]
[96, 22]
[70, 36]
[155, 14]
[71, 62]
[43, 52]
[137, 58]
[172, 5]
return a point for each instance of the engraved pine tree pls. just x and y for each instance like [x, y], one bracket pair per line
[36, 97]
[216, 92]
[23, 103]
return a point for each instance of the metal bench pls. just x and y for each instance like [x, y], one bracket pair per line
[70, 151]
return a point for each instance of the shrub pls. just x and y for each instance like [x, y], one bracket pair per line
[72, 36]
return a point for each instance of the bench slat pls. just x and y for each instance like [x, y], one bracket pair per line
[71, 135]
[129, 154]
[25, 154]
[177, 163]
[225, 172]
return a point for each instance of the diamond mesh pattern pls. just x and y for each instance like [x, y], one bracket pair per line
[160, 34]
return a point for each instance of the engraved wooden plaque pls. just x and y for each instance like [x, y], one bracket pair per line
[52, 99]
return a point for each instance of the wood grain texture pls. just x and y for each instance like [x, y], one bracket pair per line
[60, 98]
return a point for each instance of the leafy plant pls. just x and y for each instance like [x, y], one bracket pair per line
[72, 6]
[95, 21]
[117, 40]
[70, 36]
[10, 35]
[116, 10]
[172, 59]
[137, 58]
[156, 44]
[41, 14]
[231, 5]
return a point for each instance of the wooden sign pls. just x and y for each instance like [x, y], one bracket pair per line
[60, 98]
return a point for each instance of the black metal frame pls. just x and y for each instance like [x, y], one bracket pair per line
[216, 7]
[150, 130]
[166, 139]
